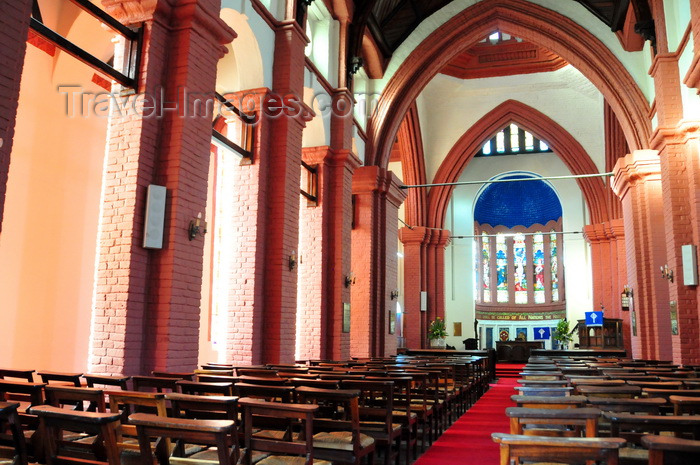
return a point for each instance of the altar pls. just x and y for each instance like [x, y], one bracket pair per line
[516, 351]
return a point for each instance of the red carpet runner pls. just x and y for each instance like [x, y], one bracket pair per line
[468, 440]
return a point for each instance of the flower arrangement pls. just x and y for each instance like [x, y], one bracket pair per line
[437, 329]
[561, 333]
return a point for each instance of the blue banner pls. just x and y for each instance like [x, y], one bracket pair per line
[594, 318]
[542, 333]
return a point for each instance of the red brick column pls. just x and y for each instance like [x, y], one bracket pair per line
[325, 248]
[692, 77]
[282, 233]
[678, 171]
[146, 313]
[609, 269]
[436, 273]
[414, 282]
[14, 25]
[637, 182]
[374, 261]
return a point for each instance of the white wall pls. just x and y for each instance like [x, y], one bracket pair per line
[448, 107]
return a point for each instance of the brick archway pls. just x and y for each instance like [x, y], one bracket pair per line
[562, 143]
[530, 22]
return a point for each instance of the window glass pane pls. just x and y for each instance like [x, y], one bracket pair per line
[487, 148]
[486, 267]
[538, 275]
[529, 142]
[501, 269]
[514, 141]
[519, 263]
[554, 266]
[500, 142]
[543, 147]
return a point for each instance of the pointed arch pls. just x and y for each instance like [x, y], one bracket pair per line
[530, 22]
[410, 144]
[541, 126]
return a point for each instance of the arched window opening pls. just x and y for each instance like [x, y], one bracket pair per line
[518, 226]
[513, 140]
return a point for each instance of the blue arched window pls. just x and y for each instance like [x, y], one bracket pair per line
[518, 224]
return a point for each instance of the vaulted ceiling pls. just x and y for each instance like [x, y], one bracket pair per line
[392, 21]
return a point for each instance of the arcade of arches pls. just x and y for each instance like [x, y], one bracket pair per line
[147, 225]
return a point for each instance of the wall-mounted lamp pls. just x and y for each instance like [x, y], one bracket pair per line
[292, 260]
[394, 294]
[666, 273]
[349, 279]
[197, 227]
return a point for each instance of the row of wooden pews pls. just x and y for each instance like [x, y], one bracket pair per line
[316, 412]
[604, 410]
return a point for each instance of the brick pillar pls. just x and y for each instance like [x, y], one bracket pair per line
[14, 26]
[414, 319]
[637, 182]
[678, 172]
[147, 301]
[609, 269]
[374, 262]
[436, 273]
[692, 77]
[325, 247]
[282, 234]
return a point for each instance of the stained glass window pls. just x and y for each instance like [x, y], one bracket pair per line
[486, 267]
[538, 263]
[520, 263]
[554, 265]
[501, 269]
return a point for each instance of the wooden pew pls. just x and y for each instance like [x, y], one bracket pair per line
[54, 421]
[562, 450]
[9, 417]
[553, 402]
[666, 450]
[217, 433]
[576, 417]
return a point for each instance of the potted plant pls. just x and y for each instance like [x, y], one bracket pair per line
[437, 331]
[562, 335]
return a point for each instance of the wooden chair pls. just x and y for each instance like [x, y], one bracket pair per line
[188, 376]
[9, 421]
[552, 402]
[48, 377]
[609, 391]
[571, 421]
[61, 396]
[337, 435]
[127, 402]
[107, 381]
[685, 405]
[205, 389]
[288, 452]
[53, 422]
[22, 375]
[560, 450]
[666, 450]
[154, 384]
[649, 405]
[629, 425]
[403, 413]
[544, 391]
[377, 414]
[28, 395]
[216, 433]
